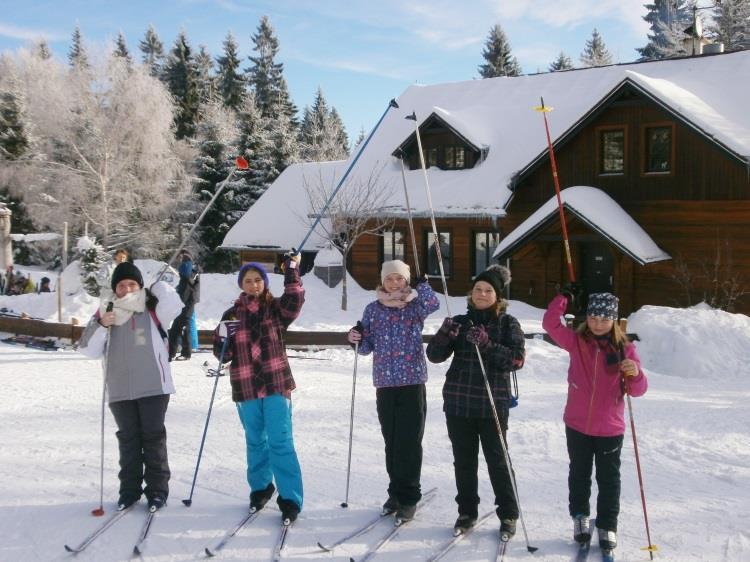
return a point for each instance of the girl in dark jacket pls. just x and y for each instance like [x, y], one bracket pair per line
[262, 382]
[466, 405]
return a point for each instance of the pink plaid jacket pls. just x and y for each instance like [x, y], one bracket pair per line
[259, 366]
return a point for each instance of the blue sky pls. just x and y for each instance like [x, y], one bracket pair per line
[361, 52]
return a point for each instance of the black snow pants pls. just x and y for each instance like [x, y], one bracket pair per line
[142, 439]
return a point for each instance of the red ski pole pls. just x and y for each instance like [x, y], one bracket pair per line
[544, 111]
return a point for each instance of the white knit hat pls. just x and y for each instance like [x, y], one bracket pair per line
[394, 266]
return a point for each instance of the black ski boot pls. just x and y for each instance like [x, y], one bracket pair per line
[259, 498]
[126, 500]
[464, 523]
[391, 505]
[607, 539]
[406, 512]
[289, 510]
[507, 529]
[581, 529]
[156, 502]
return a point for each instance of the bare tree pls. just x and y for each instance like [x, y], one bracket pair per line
[359, 208]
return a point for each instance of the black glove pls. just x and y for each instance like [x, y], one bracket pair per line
[573, 291]
[447, 332]
[151, 301]
[416, 281]
[358, 329]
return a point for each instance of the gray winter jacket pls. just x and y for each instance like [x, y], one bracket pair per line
[137, 364]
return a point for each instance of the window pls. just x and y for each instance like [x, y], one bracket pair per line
[454, 157]
[430, 157]
[484, 245]
[658, 149]
[612, 151]
[394, 245]
[433, 267]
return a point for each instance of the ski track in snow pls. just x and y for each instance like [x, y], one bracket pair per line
[693, 441]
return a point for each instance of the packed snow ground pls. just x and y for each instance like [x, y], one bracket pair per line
[693, 434]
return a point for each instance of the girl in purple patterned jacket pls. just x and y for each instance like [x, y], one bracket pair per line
[391, 329]
[262, 382]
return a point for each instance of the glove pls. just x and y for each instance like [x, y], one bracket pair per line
[228, 328]
[573, 291]
[290, 260]
[355, 334]
[477, 335]
[448, 332]
[417, 281]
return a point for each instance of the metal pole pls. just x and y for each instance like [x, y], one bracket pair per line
[438, 252]
[345, 503]
[411, 221]
[392, 104]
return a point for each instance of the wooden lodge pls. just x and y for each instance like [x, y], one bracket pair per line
[653, 161]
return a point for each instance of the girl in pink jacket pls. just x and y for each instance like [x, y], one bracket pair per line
[603, 365]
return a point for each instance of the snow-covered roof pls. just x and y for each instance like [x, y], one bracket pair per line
[35, 237]
[278, 219]
[601, 213]
[706, 91]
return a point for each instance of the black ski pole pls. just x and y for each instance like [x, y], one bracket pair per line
[345, 503]
[99, 511]
[189, 501]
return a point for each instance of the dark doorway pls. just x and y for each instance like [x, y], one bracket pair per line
[597, 268]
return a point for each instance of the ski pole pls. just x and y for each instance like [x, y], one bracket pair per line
[566, 242]
[438, 253]
[411, 221]
[391, 105]
[239, 164]
[504, 447]
[651, 546]
[99, 511]
[189, 501]
[345, 503]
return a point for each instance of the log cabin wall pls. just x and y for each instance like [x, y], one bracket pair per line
[698, 213]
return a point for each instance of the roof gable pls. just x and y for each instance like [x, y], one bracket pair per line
[443, 118]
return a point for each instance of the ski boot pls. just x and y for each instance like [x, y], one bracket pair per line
[507, 529]
[463, 524]
[581, 529]
[259, 498]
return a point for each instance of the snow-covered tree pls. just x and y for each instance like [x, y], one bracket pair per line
[91, 259]
[106, 137]
[595, 52]
[204, 75]
[231, 83]
[731, 24]
[181, 76]
[497, 55]
[668, 20]
[77, 56]
[42, 50]
[215, 137]
[121, 50]
[562, 62]
[321, 133]
[265, 75]
[153, 51]
[360, 137]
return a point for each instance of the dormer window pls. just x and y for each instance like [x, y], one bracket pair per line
[443, 145]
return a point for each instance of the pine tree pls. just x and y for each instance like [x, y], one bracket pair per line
[153, 51]
[77, 55]
[121, 50]
[667, 19]
[231, 84]
[732, 24]
[213, 163]
[321, 133]
[595, 52]
[91, 258]
[562, 62]
[265, 76]
[360, 138]
[42, 50]
[180, 74]
[204, 67]
[497, 54]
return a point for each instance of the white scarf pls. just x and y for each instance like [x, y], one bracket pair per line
[125, 307]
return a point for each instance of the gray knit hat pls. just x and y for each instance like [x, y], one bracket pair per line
[603, 305]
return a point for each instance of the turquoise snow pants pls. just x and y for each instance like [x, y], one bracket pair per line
[270, 446]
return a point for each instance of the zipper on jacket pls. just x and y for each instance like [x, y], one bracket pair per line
[593, 392]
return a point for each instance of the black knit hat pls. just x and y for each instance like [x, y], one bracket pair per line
[126, 270]
[496, 275]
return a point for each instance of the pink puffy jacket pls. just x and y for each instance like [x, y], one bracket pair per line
[595, 404]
